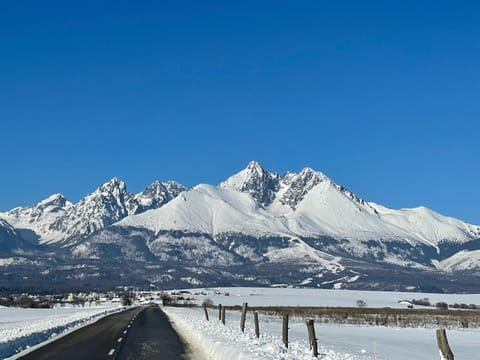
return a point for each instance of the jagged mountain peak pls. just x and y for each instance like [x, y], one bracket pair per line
[109, 203]
[256, 181]
[157, 194]
[57, 200]
[254, 166]
[299, 185]
[157, 187]
[113, 185]
[253, 171]
[308, 171]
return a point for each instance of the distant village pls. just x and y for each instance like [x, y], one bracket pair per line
[123, 296]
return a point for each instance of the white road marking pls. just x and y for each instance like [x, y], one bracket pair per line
[110, 353]
[119, 339]
[125, 332]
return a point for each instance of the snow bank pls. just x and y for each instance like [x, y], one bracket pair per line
[214, 341]
[21, 329]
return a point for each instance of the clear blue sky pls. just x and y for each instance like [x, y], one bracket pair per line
[382, 96]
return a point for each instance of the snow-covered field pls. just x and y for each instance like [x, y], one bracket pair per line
[213, 340]
[322, 297]
[21, 329]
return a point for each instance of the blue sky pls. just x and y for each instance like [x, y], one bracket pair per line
[381, 96]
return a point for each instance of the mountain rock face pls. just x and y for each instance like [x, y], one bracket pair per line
[157, 195]
[255, 181]
[298, 185]
[255, 228]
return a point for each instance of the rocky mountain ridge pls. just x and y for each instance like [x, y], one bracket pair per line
[55, 219]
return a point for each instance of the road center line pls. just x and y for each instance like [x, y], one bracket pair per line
[110, 353]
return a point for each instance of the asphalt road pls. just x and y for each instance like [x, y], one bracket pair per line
[140, 334]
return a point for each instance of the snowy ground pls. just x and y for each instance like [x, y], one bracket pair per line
[21, 329]
[322, 297]
[212, 340]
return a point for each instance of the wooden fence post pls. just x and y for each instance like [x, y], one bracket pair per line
[285, 330]
[312, 338]
[223, 315]
[244, 315]
[206, 312]
[257, 326]
[442, 342]
[219, 311]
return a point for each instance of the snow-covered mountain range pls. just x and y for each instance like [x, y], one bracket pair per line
[56, 219]
[246, 229]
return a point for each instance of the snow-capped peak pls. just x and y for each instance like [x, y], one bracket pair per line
[237, 182]
[113, 186]
[54, 200]
[255, 166]
[256, 181]
[107, 204]
[157, 194]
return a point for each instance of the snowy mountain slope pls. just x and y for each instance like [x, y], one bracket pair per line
[307, 204]
[39, 218]
[330, 210]
[462, 261]
[429, 225]
[211, 210]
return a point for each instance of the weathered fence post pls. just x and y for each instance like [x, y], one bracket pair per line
[257, 326]
[312, 338]
[244, 315]
[219, 311]
[206, 312]
[223, 315]
[442, 342]
[285, 330]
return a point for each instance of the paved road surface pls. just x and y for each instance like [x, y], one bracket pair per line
[140, 334]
